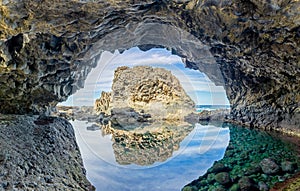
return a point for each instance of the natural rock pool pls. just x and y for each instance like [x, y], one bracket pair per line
[247, 159]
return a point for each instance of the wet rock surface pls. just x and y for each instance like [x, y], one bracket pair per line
[222, 178]
[269, 166]
[290, 184]
[39, 153]
[127, 118]
[44, 57]
[253, 161]
[205, 116]
[82, 113]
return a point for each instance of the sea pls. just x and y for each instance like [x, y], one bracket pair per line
[200, 108]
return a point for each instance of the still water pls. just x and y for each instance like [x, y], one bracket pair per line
[115, 162]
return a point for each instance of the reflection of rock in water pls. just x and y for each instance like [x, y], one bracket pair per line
[140, 96]
[93, 127]
[145, 146]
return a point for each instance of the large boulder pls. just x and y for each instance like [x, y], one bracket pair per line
[223, 178]
[269, 166]
[150, 90]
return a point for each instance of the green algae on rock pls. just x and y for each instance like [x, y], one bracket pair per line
[254, 160]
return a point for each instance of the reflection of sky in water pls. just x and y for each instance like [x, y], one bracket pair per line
[198, 151]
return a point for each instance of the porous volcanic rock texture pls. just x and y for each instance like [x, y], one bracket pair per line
[102, 104]
[151, 90]
[47, 49]
[39, 153]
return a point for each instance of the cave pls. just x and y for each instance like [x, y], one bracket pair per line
[196, 84]
[257, 62]
[47, 50]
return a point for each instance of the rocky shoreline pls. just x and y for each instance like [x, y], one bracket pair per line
[54, 130]
[86, 113]
[40, 153]
[251, 162]
[221, 116]
[291, 184]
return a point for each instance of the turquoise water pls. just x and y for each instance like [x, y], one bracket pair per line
[170, 157]
[243, 158]
[196, 153]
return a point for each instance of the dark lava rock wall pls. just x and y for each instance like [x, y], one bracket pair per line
[39, 154]
[48, 47]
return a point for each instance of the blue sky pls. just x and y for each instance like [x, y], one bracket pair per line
[197, 153]
[196, 84]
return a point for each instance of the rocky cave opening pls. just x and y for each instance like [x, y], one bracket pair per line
[197, 85]
[48, 49]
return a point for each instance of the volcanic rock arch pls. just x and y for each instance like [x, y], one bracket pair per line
[251, 47]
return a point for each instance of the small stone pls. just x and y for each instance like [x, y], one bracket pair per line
[218, 167]
[210, 178]
[219, 189]
[49, 179]
[281, 178]
[268, 166]
[5, 184]
[202, 183]
[288, 166]
[189, 188]
[33, 184]
[222, 178]
[263, 186]
[2, 158]
[253, 170]
[246, 184]
[264, 176]
[234, 187]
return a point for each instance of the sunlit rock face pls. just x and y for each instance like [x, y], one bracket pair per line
[251, 47]
[154, 91]
[102, 104]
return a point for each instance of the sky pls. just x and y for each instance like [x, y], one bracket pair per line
[196, 84]
[197, 153]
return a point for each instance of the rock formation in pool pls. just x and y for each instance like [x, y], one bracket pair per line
[44, 57]
[152, 91]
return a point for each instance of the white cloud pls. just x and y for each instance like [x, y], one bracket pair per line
[103, 171]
